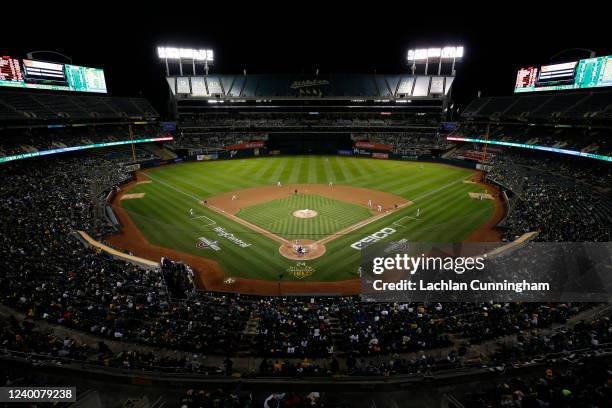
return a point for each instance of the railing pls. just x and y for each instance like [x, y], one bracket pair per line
[456, 369]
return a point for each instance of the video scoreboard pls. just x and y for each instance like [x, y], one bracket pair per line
[34, 74]
[586, 73]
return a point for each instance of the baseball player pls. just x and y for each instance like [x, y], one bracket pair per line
[370, 203]
[418, 212]
[331, 184]
[279, 184]
[234, 198]
[191, 211]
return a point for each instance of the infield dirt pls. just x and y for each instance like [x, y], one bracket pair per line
[257, 195]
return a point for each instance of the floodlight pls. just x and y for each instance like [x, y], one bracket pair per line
[448, 52]
[173, 53]
[434, 52]
[191, 56]
[452, 53]
[420, 54]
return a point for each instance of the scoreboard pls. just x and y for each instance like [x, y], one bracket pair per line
[34, 74]
[526, 77]
[10, 70]
[586, 73]
[84, 79]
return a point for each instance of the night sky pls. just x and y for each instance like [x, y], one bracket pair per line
[299, 38]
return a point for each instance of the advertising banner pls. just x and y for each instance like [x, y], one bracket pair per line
[372, 146]
[132, 167]
[257, 144]
[361, 152]
[206, 157]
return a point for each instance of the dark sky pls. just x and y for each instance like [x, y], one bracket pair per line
[302, 37]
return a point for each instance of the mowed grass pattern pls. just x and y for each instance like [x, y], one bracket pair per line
[447, 213]
[277, 217]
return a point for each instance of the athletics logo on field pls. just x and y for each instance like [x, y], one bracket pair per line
[205, 243]
[301, 270]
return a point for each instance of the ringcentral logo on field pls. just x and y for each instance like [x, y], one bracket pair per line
[370, 239]
[231, 237]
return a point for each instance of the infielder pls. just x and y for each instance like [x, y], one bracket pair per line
[370, 203]
[234, 198]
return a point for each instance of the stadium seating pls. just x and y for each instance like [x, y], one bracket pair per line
[579, 106]
[29, 106]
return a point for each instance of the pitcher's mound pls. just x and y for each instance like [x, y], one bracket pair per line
[304, 249]
[305, 213]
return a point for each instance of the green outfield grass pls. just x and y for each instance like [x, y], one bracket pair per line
[277, 217]
[447, 214]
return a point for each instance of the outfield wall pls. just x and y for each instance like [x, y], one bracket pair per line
[185, 155]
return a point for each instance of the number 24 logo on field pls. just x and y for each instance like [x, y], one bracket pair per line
[301, 270]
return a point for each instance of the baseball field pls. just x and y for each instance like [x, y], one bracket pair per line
[299, 219]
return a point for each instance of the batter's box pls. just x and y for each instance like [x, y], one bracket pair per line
[205, 219]
[405, 220]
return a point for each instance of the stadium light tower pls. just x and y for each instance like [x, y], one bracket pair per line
[436, 54]
[195, 56]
